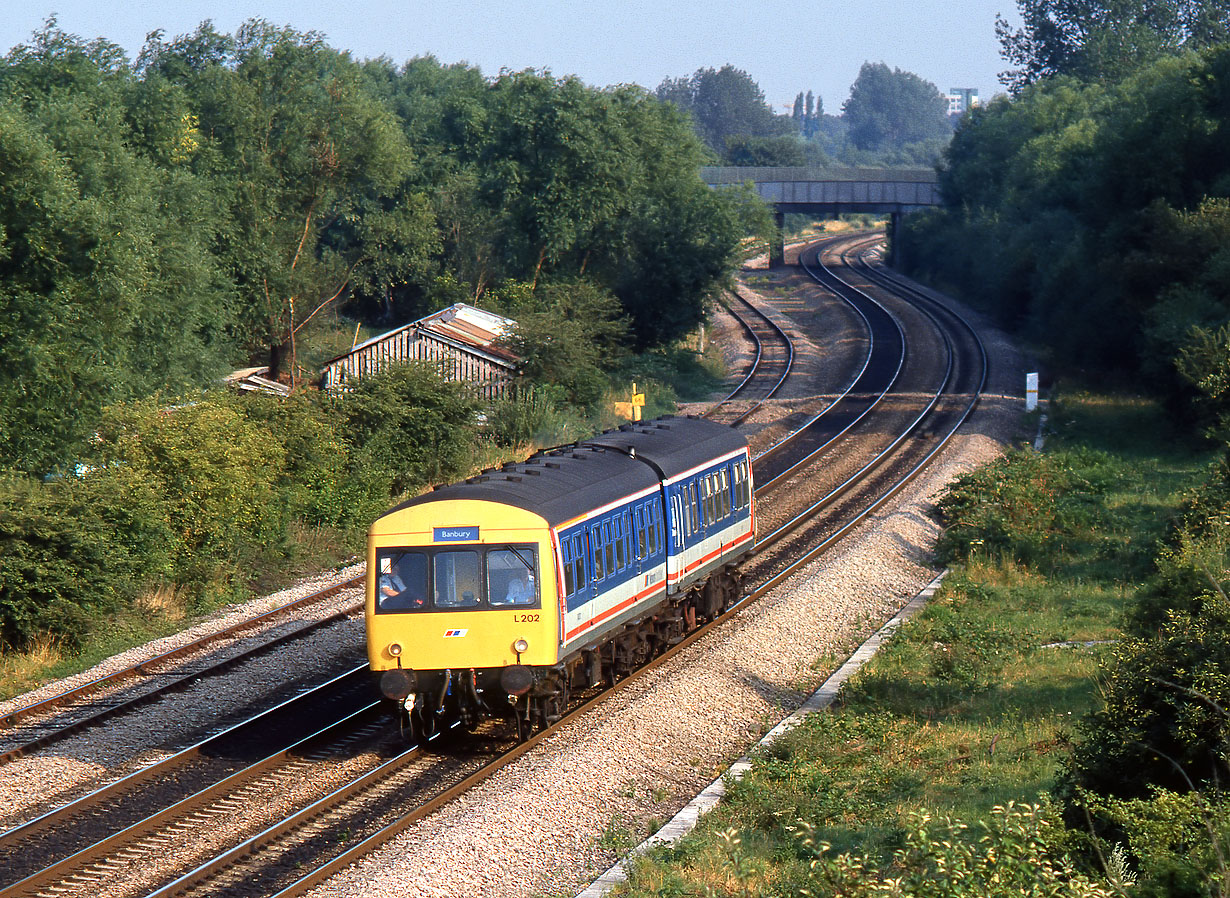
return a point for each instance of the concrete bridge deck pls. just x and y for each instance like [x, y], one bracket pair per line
[833, 191]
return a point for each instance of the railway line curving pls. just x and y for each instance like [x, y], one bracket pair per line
[698, 701]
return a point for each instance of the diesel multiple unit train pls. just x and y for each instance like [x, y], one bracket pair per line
[502, 594]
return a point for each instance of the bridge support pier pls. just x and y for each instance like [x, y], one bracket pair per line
[894, 245]
[777, 241]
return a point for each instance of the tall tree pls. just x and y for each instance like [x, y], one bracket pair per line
[304, 153]
[889, 108]
[724, 103]
[108, 289]
[1092, 39]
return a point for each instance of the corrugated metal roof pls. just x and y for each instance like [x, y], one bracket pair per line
[462, 324]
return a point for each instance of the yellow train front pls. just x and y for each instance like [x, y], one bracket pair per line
[502, 594]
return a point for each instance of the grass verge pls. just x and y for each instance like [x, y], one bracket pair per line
[971, 708]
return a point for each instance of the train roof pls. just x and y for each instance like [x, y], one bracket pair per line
[559, 484]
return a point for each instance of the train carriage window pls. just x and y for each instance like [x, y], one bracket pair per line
[654, 527]
[724, 492]
[621, 559]
[403, 582]
[595, 545]
[641, 546]
[457, 579]
[677, 520]
[578, 560]
[608, 543]
[711, 514]
[695, 506]
[511, 576]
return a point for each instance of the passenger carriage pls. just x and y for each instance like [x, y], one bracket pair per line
[509, 590]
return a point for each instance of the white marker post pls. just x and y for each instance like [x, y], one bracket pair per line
[1031, 391]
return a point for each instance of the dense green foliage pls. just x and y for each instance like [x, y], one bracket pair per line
[1096, 39]
[889, 109]
[224, 198]
[724, 103]
[201, 500]
[1095, 218]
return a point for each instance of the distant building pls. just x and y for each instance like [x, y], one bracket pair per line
[961, 99]
[460, 339]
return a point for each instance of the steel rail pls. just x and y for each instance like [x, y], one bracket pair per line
[62, 817]
[755, 371]
[880, 457]
[875, 379]
[145, 668]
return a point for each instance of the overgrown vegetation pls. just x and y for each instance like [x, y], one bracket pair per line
[1099, 212]
[260, 197]
[1023, 735]
[241, 199]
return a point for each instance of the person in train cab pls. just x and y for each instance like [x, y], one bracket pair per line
[519, 591]
[394, 594]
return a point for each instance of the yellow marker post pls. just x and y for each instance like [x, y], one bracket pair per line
[631, 410]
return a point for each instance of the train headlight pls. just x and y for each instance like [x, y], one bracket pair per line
[395, 649]
[521, 646]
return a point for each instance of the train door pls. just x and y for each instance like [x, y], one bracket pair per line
[577, 597]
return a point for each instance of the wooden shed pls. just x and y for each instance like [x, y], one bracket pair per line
[460, 339]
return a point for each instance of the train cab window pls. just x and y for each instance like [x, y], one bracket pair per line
[457, 580]
[510, 576]
[402, 583]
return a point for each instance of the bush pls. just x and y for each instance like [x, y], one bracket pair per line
[407, 428]
[205, 469]
[1019, 505]
[60, 560]
[1178, 843]
[1019, 853]
[1164, 721]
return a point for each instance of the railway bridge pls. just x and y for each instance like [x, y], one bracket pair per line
[832, 191]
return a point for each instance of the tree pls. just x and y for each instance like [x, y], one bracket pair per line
[807, 112]
[889, 108]
[304, 153]
[724, 103]
[1104, 39]
[570, 335]
[108, 287]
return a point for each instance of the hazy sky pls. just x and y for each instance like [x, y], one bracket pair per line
[786, 47]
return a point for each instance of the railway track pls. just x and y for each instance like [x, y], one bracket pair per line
[46, 722]
[285, 868]
[771, 365]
